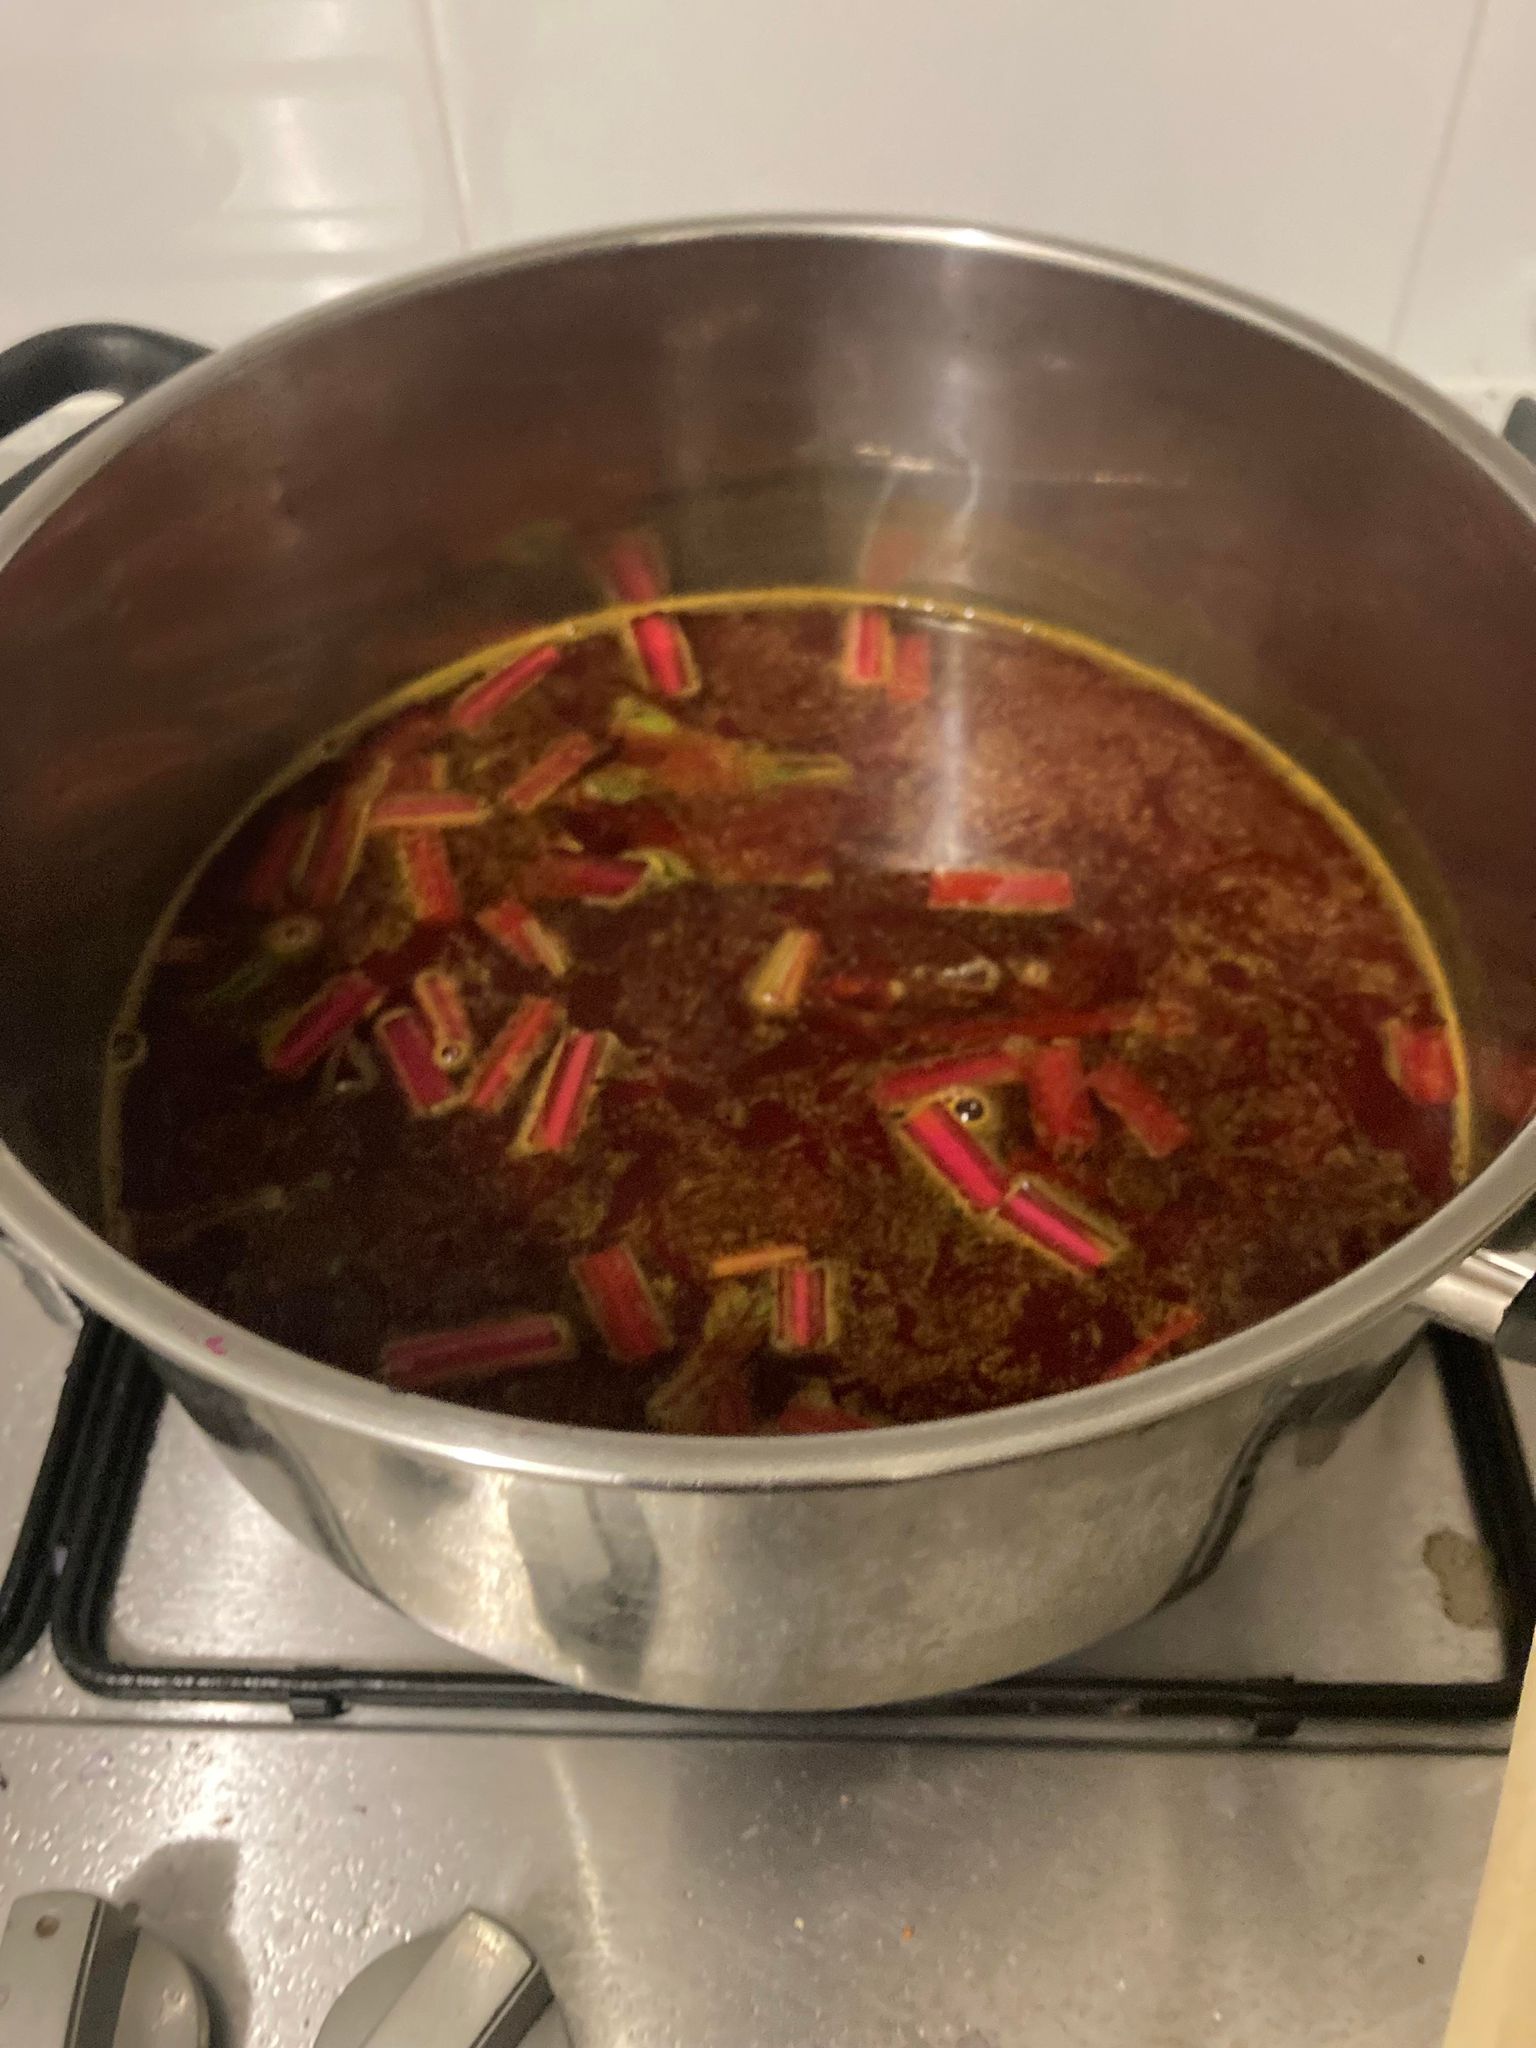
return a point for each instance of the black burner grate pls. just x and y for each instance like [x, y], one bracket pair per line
[117, 1434]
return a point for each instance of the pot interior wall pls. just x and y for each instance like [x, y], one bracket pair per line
[336, 509]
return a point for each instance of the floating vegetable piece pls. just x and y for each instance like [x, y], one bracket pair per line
[622, 783]
[861, 991]
[481, 701]
[512, 1052]
[911, 669]
[426, 875]
[641, 718]
[804, 1314]
[427, 810]
[636, 571]
[515, 928]
[1044, 1216]
[555, 767]
[290, 938]
[760, 1258]
[963, 1164]
[1000, 890]
[564, 1095]
[620, 1302]
[762, 768]
[777, 983]
[1420, 1061]
[339, 843]
[284, 853]
[246, 980]
[664, 656]
[482, 1351]
[1060, 1106]
[586, 878]
[1158, 1129]
[441, 1002]
[308, 1033]
[406, 1044]
[941, 1077]
[868, 648]
[1176, 1326]
[708, 1387]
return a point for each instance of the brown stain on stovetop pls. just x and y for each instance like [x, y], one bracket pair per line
[1463, 1572]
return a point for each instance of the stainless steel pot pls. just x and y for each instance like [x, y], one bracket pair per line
[284, 532]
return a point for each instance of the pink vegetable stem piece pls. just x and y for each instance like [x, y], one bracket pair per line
[419, 810]
[942, 1077]
[482, 1351]
[955, 1155]
[512, 1052]
[554, 768]
[477, 704]
[1000, 889]
[515, 928]
[621, 1303]
[665, 656]
[1038, 1217]
[802, 1307]
[321, 1023]
[406, 1044]
[564, 1094]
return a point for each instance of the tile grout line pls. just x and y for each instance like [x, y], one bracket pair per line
[1437, 175]
[447, 127]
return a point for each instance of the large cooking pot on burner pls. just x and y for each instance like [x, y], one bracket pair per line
[286, 531]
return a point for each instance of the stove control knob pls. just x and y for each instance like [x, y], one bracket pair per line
[474, 1987]
[77, 1973]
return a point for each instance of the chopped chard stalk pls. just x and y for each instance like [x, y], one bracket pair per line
[868, 648]
[586, 878]
[512, 1052]
[515, 928]
[906, 1085]
[912, 669]
[623, 783]
[406, 1044]
[636, 573]
[1060, 1106]
[245, 980]
[861, 991]
[960, 1162]
[564, 1094]
[777, 983]
[426, 874]
[558, 765]
[1044, 1217]
[664, 656]
[713, 1375]
[298, 1040]
[284, 852]
[761, 1258]
[620, 1302]
[427, 810]
[1001, 890]
[441, 1002]
[339, 844]
[764, 769]
[290, 938]
[1175, 1327]
[481, 701]
[804, 1313]
[1158, 1129]
[483, 1351]
[1420, 1061]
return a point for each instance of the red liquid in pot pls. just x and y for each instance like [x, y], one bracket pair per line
[788, 1018]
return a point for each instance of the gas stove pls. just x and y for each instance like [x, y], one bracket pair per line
[1257, 1816]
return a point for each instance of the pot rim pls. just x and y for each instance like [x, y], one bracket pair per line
[270, 1375]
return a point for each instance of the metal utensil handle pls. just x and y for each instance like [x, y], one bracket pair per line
[40, 373]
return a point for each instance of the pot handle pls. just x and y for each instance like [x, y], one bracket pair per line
[38, 374]
[1491, 1295]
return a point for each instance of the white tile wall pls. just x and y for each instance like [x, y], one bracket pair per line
[209, 165]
